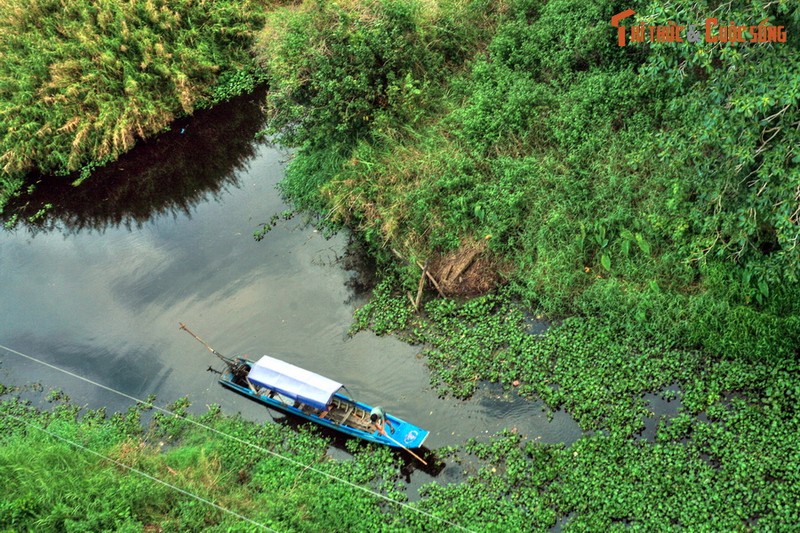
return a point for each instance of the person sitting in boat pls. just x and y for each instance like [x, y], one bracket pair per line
[379, 420]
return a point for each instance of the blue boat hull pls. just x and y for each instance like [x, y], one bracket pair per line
[405, 435]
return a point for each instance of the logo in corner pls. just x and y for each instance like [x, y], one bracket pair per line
[715, 32]
[411, 437]
[621, 29]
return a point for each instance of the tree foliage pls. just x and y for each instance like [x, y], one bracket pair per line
[593, 169]
[338, 70]
[734, 127]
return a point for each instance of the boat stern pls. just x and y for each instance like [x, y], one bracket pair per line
[408, 435]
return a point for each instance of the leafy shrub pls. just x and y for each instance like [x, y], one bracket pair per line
[335, 68]
[740, 194]
[581, 163]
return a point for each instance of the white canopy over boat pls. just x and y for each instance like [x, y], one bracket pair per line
[294, 382]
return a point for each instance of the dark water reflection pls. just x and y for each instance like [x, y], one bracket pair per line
[99, 285]
[200, 157]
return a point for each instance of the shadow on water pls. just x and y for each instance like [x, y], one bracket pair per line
[362, 266]
[168, 174]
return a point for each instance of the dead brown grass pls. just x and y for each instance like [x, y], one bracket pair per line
[468, 271]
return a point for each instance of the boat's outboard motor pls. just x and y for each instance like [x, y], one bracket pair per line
[240, 371]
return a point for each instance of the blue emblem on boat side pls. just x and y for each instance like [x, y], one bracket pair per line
[411, 437]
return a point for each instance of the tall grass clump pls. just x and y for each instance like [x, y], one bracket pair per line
[81, 81]
[344, 74]
[340, 70]
[71, 471]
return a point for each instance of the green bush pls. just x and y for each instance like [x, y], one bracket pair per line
[337, 68]
[579, 162]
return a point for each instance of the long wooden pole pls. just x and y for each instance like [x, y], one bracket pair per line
[419, 287]
[433, 280]
[204, 343]
[417, 457]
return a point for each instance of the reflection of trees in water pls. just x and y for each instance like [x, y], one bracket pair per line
[170, 173]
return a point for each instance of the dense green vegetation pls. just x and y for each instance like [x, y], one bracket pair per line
[652, 180]
[733, 470]
[727, 460]
[81, 81]
[646, 198]
[53, 485]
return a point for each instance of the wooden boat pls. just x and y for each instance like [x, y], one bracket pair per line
[294, 390]
[297, 391]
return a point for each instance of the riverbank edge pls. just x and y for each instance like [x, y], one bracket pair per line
[107, 467]
[82, 84]
[724, 393]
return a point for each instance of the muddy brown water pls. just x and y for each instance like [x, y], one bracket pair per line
[165, 235]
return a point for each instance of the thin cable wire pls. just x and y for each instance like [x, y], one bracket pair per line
[142, 473]
[241, 441]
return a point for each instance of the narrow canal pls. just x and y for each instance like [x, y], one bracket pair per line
[98, 284]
